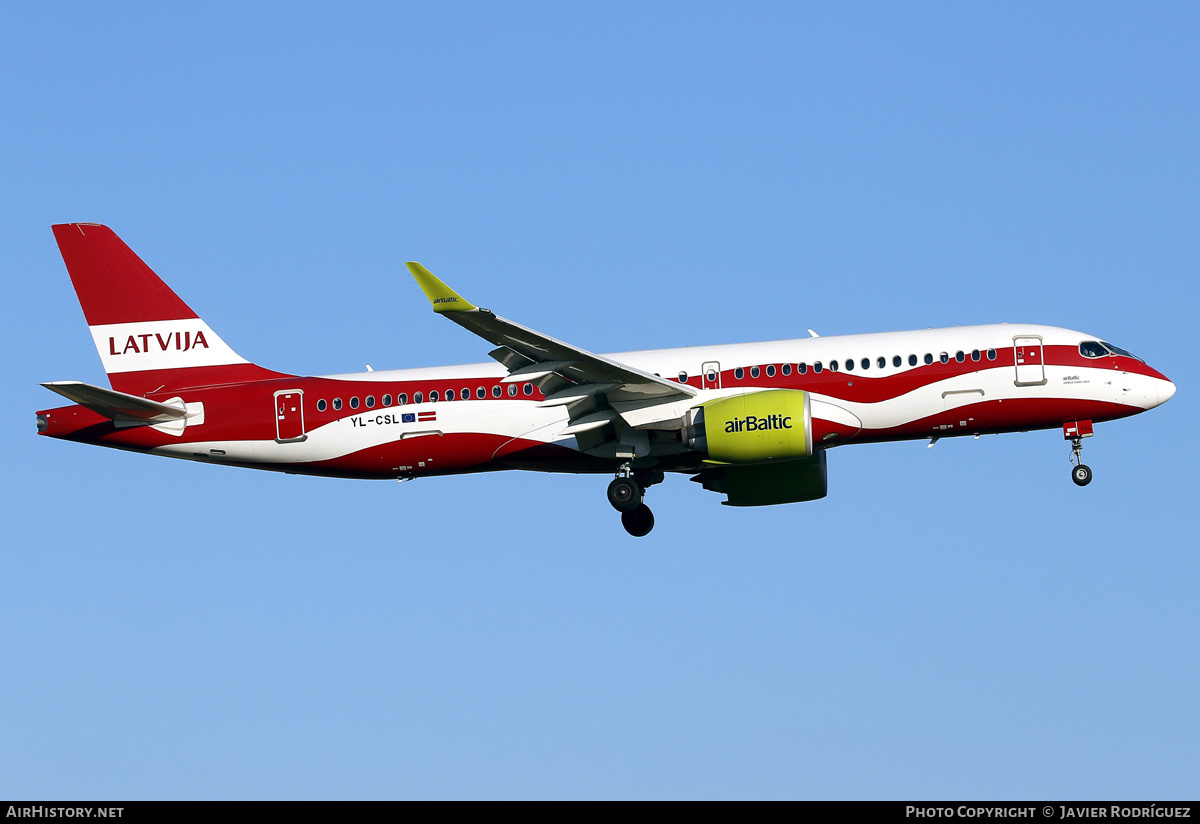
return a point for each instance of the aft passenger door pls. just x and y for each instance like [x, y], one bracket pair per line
[1027, 355]
[289, 415]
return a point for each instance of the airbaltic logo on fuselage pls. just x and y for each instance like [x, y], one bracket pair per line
[753, 424]
[157, 342]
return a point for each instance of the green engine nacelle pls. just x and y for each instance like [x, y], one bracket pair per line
[773, 425]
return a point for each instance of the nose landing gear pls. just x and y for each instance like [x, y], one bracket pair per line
[626, 492]
[1075, 432]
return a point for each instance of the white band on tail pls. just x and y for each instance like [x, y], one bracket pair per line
[160, 344]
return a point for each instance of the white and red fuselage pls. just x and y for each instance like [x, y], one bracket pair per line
[355, 425]
[410, 423]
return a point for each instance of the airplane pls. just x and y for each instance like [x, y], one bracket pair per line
[751, 421]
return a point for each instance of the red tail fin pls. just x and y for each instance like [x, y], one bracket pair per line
[148, 339]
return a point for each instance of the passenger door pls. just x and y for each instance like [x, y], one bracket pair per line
[1027, 355]
[289, 415]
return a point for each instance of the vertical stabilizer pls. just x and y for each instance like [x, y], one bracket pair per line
[148, 339]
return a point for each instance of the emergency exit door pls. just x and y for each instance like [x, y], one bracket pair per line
[710, 375]
[289, 415]
[1027, 355]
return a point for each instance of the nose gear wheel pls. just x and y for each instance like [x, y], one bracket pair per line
[1081, 473]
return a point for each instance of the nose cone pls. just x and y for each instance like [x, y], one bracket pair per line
[1166, 391]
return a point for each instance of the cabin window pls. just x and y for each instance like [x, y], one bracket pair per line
[402, 398]
[710, 375]
[370, 401]
[817, 367]
[849, 364]
[683, 377]
[449, 394]
[739, 373]
[928, 358]
[321, 405]
[786, 369]
[528, 389]
[991, 353]
[512, 390]
[944, 357]
[433, 396]
[802, 368]
[960, 356]
[771, 371]
[418, 397]
[387, 400]
[754, 373]
[480, 393]
[465, 394]
[337, 403]
[833, 366]
[497, 391]
[912, 360]
[974, 354]
[354, 402]
[896, 360]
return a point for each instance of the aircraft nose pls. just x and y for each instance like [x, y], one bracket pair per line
[1166, 391]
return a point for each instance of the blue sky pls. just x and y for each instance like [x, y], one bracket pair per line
[955, 622]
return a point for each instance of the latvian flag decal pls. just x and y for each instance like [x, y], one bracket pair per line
[413, 417]
[426, 416]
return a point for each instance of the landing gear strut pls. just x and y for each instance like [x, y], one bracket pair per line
[626, 492]
[1075, 432]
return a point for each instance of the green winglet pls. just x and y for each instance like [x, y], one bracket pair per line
[443, 298]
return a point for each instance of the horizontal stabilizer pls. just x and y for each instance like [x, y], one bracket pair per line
[117, 406]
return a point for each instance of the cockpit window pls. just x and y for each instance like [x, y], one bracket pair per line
[1116, 350]
[1092, 349]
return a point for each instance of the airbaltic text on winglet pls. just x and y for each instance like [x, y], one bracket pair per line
[445, 300]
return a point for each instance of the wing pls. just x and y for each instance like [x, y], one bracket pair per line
[596, 390]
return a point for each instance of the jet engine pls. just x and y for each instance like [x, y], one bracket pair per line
[772, 425]
[760, 448]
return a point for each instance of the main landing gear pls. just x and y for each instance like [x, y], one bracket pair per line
[1075, 432]
[626, 492]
